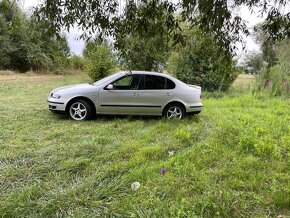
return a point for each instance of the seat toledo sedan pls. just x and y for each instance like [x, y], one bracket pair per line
[128, 93]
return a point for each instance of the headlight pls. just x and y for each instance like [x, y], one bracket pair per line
[56, 96]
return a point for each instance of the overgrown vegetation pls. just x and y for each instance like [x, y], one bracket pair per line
[26, 44]
[225, 163]
[202, 62]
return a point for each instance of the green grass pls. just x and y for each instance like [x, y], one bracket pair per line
[232, 160]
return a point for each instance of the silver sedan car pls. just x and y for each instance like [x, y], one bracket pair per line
[128, 93]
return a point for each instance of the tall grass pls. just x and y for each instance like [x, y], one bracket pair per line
[232, 160]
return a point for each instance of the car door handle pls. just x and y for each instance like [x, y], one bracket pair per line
[168, 94]
[135, 94]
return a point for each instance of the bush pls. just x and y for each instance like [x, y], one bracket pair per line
[76, 62]
[202, 63]
[277, 78]
[39, 60]
[99, 62]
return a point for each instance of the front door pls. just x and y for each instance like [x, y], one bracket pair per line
[123, 98]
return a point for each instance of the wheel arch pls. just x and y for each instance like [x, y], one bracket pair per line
[174, 102]
[90, 102]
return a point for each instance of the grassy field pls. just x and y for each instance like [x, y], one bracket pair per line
[232, 160]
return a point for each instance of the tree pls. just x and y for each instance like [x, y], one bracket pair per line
[26, 44]
[148, 49]
[254, 61]
[277, 78]
[201, 62]
[98, 59]
[10, 19]
[217, 18]
[268, 46]
[139, 53]
[5, 42]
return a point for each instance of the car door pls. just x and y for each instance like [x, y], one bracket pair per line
[155, 93]
[122, 98]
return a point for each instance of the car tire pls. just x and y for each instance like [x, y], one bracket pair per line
[80, 110]
[174, 111]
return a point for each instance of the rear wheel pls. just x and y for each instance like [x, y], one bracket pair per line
[80, 110]
[174, 111]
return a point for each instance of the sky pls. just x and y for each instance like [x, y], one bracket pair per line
[77, 46]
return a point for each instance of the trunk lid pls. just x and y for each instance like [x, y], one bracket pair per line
[194, 86]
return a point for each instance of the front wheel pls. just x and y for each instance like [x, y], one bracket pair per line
[174, 111]
[80, 110]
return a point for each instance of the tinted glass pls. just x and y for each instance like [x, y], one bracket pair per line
[127, 82]
[154, 82]
[170, 84]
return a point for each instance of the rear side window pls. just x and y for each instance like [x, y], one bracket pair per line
[170, 84]
[154, 82]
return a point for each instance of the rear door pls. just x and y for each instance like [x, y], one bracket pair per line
[155, 92]
[123, 98]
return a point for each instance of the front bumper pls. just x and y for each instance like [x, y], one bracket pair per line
[55, 105]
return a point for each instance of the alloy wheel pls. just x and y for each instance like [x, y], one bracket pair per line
[174, 112]
[78, 111]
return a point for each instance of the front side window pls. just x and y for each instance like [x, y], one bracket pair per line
[127, 82]
[154, 82]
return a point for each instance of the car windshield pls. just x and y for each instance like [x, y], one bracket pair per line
[107, 79]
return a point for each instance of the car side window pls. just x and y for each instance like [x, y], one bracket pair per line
[152, 82]
[170, 84]
[128, 82]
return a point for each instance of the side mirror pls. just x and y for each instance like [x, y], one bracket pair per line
[110, 87]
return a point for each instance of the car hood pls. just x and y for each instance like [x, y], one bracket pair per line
[74, 88]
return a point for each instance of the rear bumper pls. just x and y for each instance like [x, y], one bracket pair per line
[192, 113]
[195, 109]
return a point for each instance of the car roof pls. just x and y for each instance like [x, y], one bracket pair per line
[176, 81]
[146, 72]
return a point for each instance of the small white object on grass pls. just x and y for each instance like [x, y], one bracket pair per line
[135, 186]
[170, 153]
